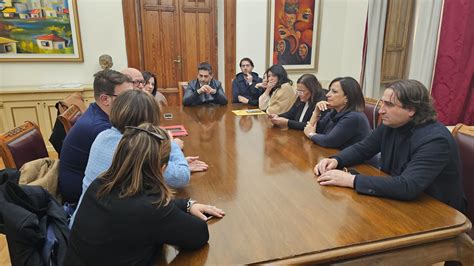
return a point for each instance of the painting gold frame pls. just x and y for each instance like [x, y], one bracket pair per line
[76, 56]
[312, 65]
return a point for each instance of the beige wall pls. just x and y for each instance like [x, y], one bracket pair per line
[342, 33]
[102, 31]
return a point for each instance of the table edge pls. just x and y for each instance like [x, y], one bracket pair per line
[375, 247]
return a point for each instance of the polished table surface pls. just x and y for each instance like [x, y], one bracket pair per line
[262, 176]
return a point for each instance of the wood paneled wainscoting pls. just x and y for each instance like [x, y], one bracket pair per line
[18, 104]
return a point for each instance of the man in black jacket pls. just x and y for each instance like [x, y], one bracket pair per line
[204, 89]
[417, 151]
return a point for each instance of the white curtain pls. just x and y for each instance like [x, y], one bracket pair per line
[422, 54]
[377, 12]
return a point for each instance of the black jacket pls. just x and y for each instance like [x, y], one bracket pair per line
[293, 115]
[423, 158]
[35, 225]
[341, 130]
[240, 87]
[111, 230]
[191, 97]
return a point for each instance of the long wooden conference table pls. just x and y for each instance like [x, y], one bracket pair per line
[276, 212]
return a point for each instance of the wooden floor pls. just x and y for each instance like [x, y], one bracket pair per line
[4, 255]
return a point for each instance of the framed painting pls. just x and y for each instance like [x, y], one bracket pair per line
[293, 34]
[39, 30]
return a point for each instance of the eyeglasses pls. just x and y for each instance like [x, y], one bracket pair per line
[153, 134]
[138, 82]
[298, 92]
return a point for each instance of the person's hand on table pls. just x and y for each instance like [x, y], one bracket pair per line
[198, 210]
[196, 165]
[325, 165]
[242, 99]
[279, 121]
[336, 178]
[309, 130]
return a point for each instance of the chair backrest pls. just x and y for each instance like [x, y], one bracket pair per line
[371, 110]
[464, 136]
[74, 98]
[182, 85]
[69, 117]
[21, 145]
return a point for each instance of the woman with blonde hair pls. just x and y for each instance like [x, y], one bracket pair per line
[128, 212]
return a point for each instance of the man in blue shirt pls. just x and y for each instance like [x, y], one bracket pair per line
[108, 84]
[417, 151]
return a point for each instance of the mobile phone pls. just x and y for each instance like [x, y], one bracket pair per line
[253, 111]
[208, 216]
[353, 171]
[168, 115]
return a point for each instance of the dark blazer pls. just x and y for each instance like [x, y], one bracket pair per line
[191, 97]
[293, 115]
[423, 158]
[340, 130]
[112, 230]
[240, 87]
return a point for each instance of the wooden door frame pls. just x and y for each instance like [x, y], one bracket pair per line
[132, 25]
[134, 42]
[230, 21]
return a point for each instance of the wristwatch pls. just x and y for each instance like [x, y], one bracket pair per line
[189, 204]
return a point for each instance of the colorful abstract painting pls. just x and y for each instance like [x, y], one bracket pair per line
[39, 30]
[294, 33]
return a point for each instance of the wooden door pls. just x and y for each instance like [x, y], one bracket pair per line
[170, 38]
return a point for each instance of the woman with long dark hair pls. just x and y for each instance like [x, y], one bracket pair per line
[345, 123]
[151, 86]
[279, 95]
[309, 93]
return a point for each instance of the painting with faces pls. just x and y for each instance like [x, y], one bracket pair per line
[293, 33]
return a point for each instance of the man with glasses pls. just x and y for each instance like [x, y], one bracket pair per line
[204, 89]
[108, 84]
[136, 78]
[417, 151]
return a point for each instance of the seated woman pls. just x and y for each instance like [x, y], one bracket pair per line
[309, 93]
[152, 87]
[243, 86]
[346, 123]
[132, 108]
[279, 95]
[128, 212]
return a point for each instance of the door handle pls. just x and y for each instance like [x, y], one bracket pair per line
[177, 60]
